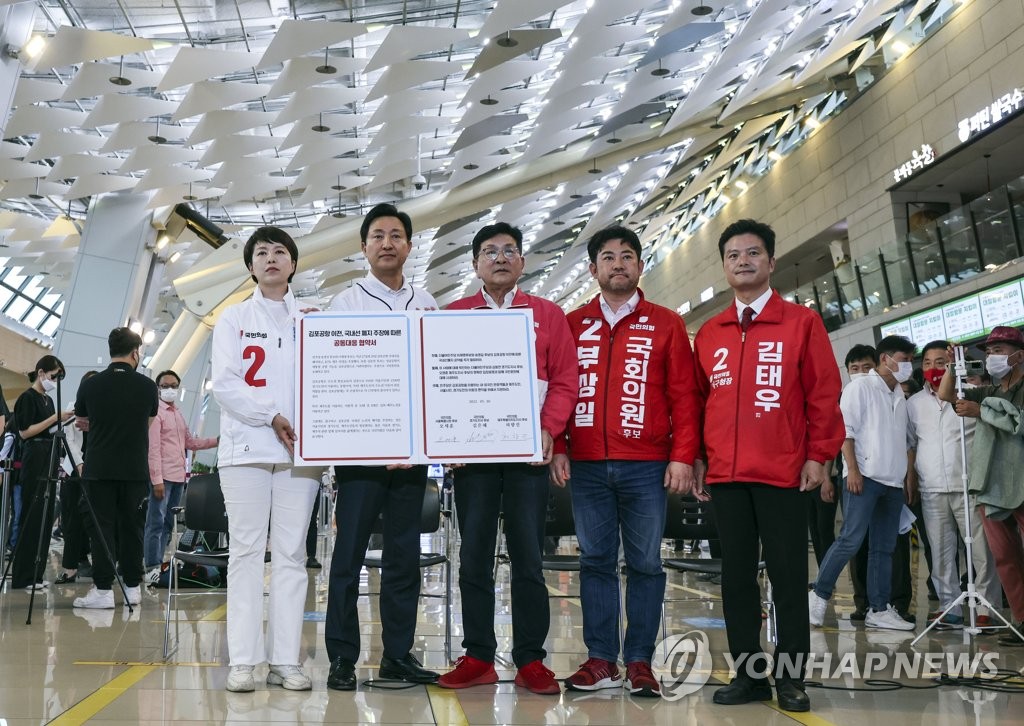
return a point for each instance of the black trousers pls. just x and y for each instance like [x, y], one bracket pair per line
[75, 522]
[521, 492]
[311, 532]
[751, 516]
[35, 519]
[120, 508]
[364, 493]
[821, 517]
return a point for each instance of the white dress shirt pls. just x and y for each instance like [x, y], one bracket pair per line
[614, 316]
[934, 431]
[757, 305]
[505, 302]
[876, 420]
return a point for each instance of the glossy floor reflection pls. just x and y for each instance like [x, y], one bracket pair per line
[105, 667]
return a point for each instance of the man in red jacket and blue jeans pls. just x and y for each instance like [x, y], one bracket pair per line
[632, 438]
[770, 386]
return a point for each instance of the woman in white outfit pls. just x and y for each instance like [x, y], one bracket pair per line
[253, 381]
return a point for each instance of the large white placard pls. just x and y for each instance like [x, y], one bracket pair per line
[416, 387]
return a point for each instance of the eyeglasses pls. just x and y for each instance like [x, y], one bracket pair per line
[165, 386]
[491, 253]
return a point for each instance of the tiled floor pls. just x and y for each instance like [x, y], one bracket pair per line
[105, 667]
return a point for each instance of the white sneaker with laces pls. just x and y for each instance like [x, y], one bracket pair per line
[134, 595]
[887, 619]
[41, 585]
[240, 679]
[152, 576]
[289, 677]
[95, 598]
[816, 607]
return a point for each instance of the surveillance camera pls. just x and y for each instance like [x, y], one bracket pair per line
[419, 181]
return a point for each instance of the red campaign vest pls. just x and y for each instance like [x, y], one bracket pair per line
[637, 393]
[771, 396]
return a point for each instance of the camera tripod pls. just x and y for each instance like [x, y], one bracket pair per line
[45, 496]
[971, 595]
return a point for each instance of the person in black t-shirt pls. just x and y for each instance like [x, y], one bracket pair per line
[118, 405]
[34, 417]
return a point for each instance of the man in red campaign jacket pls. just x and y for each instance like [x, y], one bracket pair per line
[771, 387]
[633, 436]
[519, 489]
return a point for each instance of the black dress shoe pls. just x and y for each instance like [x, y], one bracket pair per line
[65, 579]
[743, 690]
[342, 676]
[406, 669]
[792, 696]
[312, 563]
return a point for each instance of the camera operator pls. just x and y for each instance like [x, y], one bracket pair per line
[997, 458]
[34, 417]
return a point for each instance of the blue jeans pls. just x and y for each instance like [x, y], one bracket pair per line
[609, 497]
[877, 508]
[159, 521]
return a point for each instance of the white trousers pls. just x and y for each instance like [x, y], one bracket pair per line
[943, 520]
[257, 497]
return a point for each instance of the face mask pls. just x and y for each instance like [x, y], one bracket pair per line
[998, 366]
[855, 376]
[169, 395]
[934, 376]
[903, 372]
[50, 386]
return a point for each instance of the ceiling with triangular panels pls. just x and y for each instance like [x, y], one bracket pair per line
[308, 112]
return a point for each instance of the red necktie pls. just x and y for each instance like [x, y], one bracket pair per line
[746, 318]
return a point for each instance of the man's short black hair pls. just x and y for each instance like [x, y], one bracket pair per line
[493, 230]
[168, 373]
[748, 226]
[123, 341]
[860, 352]
[274, 235]
[892, 344]
[935, 345]
[607, 234]
[385, 210]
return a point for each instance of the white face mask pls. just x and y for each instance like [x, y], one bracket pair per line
[903, 372]
[998, 366]
[855, 376]
[49, 386]
[169, 395]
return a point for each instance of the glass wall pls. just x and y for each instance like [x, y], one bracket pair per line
[963, 243]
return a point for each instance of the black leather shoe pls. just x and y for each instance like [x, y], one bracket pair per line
[406, 669]
[792, 696]
[65, 579]
[312, 563]
[743, 690]
[342, 676]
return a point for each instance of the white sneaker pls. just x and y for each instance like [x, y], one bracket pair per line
[41, 585]
[95, 599]
[240, 679]
[289, 677]
[134, 595]
[152, 576]
[816, 607]
[887, 619]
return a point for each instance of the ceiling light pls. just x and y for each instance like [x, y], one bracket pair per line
[162, 241]
[119, 79]
[326, 68]
[702, 9]
[659, 71]
[148, 337]
[507, 41]
[813, 122]
[156, 138]
[488, 101]
[774, 156]
[174, 258]
[595, 170]
[319, 127]
[900, 47]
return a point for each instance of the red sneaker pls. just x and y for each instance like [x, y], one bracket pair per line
[640, 681]
[469, 671]
[594, 675]
[535, 677]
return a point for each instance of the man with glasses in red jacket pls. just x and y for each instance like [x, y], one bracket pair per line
[771, 387]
